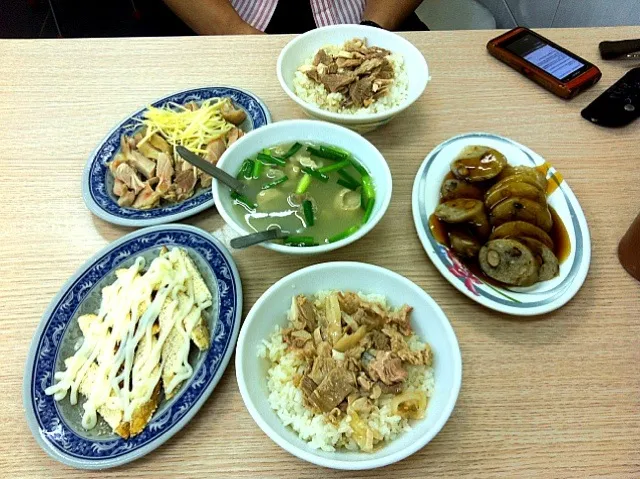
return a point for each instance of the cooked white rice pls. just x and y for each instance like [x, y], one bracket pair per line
[286, 399]
[315, 93]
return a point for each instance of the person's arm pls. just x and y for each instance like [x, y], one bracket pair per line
[389, 14]
[211, 17]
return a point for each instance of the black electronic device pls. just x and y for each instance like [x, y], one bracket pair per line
[619, 105]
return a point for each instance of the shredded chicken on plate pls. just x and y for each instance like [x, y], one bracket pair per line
[147, 172]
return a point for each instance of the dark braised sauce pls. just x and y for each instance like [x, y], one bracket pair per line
[560, 237]
[562, 244]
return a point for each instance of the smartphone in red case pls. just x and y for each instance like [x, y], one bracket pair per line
[548, 64]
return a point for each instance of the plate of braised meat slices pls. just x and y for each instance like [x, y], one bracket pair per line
[136, 178]
[501, 224]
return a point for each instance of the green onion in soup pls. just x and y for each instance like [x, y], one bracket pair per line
[317, 194]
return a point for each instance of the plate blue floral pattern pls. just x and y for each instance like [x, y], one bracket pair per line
[97, 181]
[50, 428]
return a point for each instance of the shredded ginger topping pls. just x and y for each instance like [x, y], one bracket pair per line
[192, 129]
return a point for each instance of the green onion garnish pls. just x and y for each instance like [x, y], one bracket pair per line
[304, 184]
[359, 168]
[316, 174]
[334, 167]
[327, 153]
[271, 160]
[257, 170]
[267, 186]
[335, 152]
[367, 193]
[346, 184]
[292, 151]
[316, 152]
[246, 170]
[299, 240]
[243, 200]
[307, 209]
[346, 233]
[369, 210]
[349, 178]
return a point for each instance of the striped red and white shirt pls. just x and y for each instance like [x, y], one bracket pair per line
[258, 13]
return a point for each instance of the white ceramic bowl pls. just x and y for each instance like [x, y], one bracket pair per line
[428, 321]
[315, 132]
[304, 46]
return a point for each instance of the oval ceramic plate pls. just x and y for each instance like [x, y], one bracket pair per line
[56, 425]
[537, 299]
[97, 181]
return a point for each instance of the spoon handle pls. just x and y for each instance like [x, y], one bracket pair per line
[212, 170]
[255, 238]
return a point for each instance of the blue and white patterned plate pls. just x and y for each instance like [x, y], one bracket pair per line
[97, 181]
[57, 425]
[537, 299]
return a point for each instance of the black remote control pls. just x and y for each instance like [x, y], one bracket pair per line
[619, 105]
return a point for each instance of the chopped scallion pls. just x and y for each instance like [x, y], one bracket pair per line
[335, 167]
[274, 183]
[316, 174]
[346, 184]
[292, 151]
[271, 160]
[367, 193]
[303, 184]
[246, 170]
[359, 168]
[327, 153]
[348, 178]
[369, 210]
[257, 170]
[307, 209]
[243, 200]
[335, 151]
[346, 233]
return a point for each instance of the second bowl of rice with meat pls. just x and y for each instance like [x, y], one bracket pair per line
[358, 76]
[347, 373]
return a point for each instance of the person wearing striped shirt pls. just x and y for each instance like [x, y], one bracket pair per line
[236, 17]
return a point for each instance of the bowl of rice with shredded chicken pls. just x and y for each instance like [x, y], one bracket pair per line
[354, 75]
[348, 365]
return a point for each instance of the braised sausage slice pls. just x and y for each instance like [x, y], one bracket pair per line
[452, 189]
[517, 229]
[478, 163]
[534, 176]
[509, 262]
[459, 210]
[549, 265]
[521, 209]
[464, 210]
[517, 189]
[464, 245]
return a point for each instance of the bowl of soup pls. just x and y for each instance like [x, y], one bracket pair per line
[322, 185]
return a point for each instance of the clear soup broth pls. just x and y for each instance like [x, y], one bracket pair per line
[317, 194]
